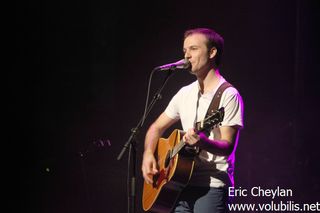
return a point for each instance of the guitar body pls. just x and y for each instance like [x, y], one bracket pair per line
[176, 161]
[174, 174]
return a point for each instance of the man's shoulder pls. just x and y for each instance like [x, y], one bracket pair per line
[231, 94]
[232, 90]
[190, 87]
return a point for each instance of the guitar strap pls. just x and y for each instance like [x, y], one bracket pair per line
[217, 97]
[215, 101]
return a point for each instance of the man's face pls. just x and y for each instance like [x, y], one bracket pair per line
[196, 51]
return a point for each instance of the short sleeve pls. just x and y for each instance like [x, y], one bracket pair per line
[233, 108]
[172, 110]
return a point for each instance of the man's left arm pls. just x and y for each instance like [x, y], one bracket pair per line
[222, 144]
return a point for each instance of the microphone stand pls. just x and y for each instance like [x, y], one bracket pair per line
[131, 144]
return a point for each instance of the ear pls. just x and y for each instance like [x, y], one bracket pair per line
[213, 52]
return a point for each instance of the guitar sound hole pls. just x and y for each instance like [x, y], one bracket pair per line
[155, 180]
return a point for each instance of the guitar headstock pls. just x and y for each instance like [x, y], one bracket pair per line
[212, 120]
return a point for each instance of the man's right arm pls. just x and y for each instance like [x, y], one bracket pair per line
[149, 164]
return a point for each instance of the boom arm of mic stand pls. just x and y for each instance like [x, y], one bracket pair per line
[135, 130]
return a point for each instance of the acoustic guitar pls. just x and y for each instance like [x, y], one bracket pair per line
[176, 161]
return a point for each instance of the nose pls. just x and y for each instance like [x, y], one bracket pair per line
[187, 54]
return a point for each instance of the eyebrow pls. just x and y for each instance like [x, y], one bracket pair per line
[192, 46]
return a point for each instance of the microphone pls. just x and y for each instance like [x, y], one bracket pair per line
[182, 64]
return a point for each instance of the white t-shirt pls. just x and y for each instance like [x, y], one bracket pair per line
[210, 170]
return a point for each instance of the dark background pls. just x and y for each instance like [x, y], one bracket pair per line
[79, 80]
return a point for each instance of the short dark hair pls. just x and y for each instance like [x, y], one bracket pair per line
[214, 40]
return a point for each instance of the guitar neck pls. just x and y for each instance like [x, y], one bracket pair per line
[205, 125]
[177, 148]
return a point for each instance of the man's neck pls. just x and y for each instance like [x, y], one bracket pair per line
[209, 81]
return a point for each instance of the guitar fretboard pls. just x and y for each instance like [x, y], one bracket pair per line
[177, 148]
